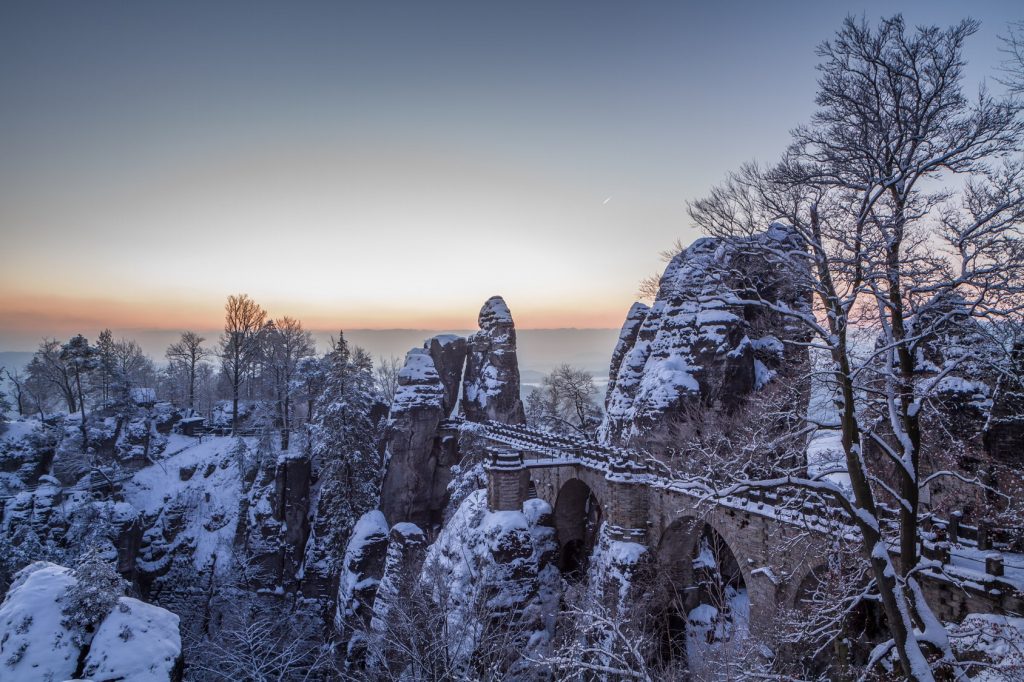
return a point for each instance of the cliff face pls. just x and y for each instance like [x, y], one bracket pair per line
[698, 344]
[448, 352]
[511, 556]
[415, 482]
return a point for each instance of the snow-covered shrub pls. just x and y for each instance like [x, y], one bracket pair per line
[96, 589]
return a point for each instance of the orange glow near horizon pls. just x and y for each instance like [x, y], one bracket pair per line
[380, 165]
[35, 316]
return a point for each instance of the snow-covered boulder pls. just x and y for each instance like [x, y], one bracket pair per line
[40, 641]
[495, 570]
[138, 642]
[34, 642]
[490, 387]
[613, 570]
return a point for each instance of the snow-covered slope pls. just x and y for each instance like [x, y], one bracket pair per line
[192, 499]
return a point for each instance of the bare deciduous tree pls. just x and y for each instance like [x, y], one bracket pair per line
[287, 344]
[50, 375]
[892, 248]
[647, 289]
[431, 633]
[566, 402]
[1013, 64]
[386, 373]
[18, 382]
[186, 354]
[259, 637]
[243, 322]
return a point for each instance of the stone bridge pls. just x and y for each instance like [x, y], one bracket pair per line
[776, 546]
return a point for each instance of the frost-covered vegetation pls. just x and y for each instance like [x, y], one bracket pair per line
[221, 486]
[842, 356]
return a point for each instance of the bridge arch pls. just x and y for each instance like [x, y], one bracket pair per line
[577, 514]
[806, 585]
[701, 605]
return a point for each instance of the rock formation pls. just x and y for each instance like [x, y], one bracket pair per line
[448, 352]
[490, 388]
[627, 339]
[415, 482]
[361, 573]
[698, 344]
[275, 526]
[419, 457]
[136, 641]
[485, 570]
[402, 561]
[132, 641]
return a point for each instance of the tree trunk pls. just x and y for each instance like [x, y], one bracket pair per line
[285, 423]
[236, 381]
[81, 405]
[192, 385]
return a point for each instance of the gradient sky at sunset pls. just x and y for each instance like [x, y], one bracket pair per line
[381, 164]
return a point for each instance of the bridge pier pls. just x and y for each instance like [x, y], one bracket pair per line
[507, 480]
[628, 508]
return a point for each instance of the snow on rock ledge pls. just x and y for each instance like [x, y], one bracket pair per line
[613, 568]
[501, 559]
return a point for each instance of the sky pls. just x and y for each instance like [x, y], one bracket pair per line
[383, 164]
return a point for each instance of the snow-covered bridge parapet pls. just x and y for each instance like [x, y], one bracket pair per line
[780, 543]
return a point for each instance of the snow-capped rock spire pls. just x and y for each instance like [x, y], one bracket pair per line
[490, 388]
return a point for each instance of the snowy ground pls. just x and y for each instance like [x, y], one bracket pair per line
[211, 495]
[711, 635]
[997, 640]
[18, 430]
